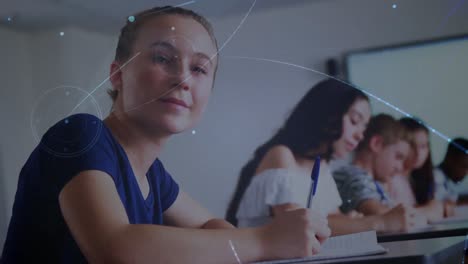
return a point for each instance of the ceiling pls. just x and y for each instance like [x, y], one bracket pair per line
[107, 15]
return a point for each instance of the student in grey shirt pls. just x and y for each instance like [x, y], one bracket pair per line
[357, 185]
[378, 157]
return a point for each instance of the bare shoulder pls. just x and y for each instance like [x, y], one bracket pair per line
[277, 157]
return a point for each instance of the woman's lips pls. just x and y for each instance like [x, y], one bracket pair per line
[350, 146]
[175, 101]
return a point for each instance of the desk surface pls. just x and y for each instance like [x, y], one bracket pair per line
[433, 231]
[426, 251]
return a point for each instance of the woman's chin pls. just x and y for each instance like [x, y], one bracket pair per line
[178, 127]
[340, 154]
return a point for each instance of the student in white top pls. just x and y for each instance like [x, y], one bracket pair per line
[329, 121]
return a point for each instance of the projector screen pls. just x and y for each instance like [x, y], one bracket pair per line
[425, 79]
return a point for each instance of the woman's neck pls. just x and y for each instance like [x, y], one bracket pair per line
[307, 164]
[141, 148]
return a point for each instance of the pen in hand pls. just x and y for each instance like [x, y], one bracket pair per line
[313, 185]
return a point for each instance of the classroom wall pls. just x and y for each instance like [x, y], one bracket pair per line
[36, 66]
[250, 100]
[15, 74]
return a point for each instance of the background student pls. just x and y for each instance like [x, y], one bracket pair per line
[414, 185]
[452, 170]
[379, 157]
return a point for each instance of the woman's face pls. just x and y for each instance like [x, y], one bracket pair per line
[421, 148]
[354, 124]
[167, 85]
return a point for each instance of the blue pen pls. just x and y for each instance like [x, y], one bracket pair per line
[314, 176]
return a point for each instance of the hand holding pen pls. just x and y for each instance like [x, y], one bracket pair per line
[306, 229]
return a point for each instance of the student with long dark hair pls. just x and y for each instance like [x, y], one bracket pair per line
[329, 121]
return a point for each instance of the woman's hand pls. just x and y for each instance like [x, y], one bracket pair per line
[296, 233]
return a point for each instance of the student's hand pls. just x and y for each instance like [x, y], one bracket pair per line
[401, 218]
[416, 219]
[355, 214]
[433, 210]
[281, 208]
[296, 233]
[449, 208]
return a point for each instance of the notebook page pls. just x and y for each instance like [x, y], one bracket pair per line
[352, 245]
[348, 244]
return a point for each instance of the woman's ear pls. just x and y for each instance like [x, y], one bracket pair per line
[376, 143]
[115, 76]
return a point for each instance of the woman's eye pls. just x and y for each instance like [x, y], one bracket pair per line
[160, 59]
[198, 69]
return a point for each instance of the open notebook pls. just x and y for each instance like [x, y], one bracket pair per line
[353, 245]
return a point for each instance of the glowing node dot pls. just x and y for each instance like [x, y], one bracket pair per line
[349, 201]
[172, 28]
[66, 121]
[394, 6]
[62, 33]
[9, 19]
[194, 132]
[131, 19]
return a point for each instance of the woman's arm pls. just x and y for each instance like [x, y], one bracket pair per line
[342, 224]
[98, 222]
[186, 212]
[372, 207]
[397, 219]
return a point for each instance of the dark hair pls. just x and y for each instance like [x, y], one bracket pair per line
[421, 179]
[457, 147]
[314, 124]
[385, 126]
[128, 34]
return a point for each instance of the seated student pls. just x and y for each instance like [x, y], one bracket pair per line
[328, 121]
[414, 186]
[95, 191]
[378, 157]
[452, 170]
